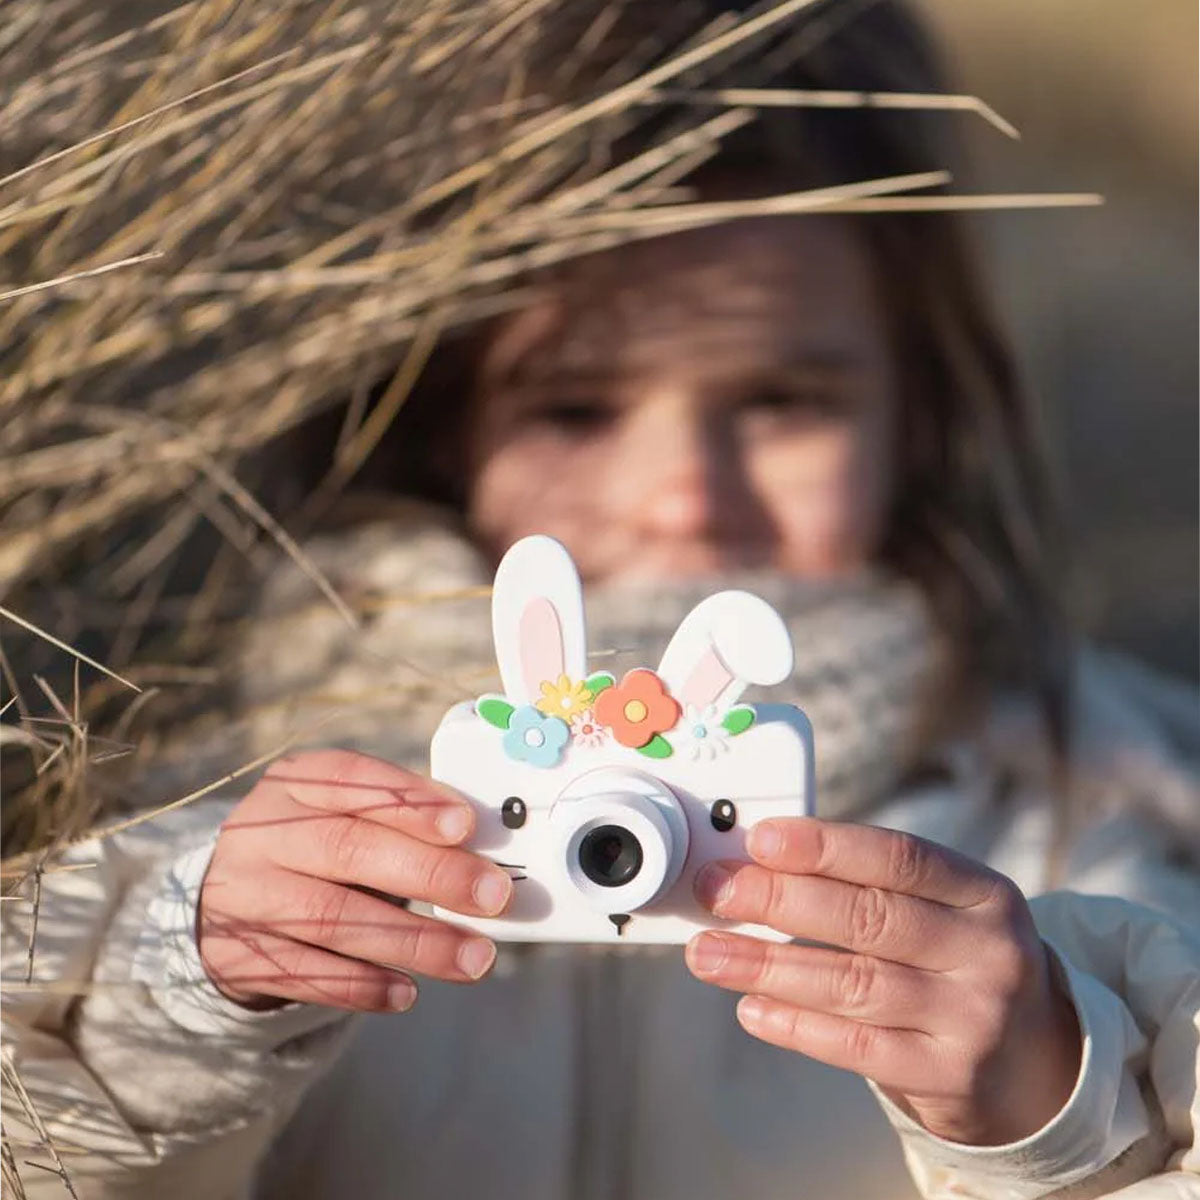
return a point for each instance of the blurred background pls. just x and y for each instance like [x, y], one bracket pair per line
[1102, 303]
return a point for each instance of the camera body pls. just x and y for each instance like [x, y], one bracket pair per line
[603, 798]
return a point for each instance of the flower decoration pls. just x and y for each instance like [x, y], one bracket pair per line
[739, 718]
[495, 710]
[586, 731]
[566, 698]
[598, 682]
[702, 735]
[534, 738]
[639, 710]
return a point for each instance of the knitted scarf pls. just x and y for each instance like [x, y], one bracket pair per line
[869, 659]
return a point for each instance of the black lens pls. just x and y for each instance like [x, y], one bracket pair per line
[610, 855]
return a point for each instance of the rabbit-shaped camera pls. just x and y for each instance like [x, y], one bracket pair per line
[604, 797]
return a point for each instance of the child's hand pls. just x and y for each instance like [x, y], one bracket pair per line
[281, 913]
[945, 997]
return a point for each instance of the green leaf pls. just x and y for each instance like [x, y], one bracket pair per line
[656, 747]
[494, 710]
[598, 682]
[739, 719]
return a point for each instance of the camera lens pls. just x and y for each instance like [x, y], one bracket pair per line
[619, 840]
[610, 855]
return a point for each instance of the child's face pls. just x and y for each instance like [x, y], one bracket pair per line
[717, 399]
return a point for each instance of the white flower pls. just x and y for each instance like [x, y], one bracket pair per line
[701, 734]
[586, 731]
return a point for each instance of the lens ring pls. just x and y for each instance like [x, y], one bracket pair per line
[635, 801]
[610, 855]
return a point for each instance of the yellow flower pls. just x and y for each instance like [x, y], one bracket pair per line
[564, 698]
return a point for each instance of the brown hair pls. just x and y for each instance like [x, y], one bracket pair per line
[973, 516]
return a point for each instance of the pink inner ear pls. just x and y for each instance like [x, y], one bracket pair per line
[540, 636]
[708, 679]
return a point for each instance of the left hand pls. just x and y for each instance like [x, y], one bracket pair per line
[941, 992]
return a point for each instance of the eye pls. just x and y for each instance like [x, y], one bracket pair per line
[772, 398]
[804, 398]
[513, 812]
[723, 815]
[574, 417]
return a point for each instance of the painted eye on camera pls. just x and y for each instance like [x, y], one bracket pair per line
[513, 812]
[723, 815]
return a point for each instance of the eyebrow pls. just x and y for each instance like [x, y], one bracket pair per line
[824, 360]
[540, 372]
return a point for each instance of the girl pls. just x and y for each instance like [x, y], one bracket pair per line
[817, 408]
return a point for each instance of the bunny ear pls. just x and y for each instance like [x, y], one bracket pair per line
[537, 618]
[725, 643]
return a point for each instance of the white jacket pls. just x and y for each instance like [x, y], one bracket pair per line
[574, 1073]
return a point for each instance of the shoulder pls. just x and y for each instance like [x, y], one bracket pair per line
[374, 665]
[1119, 697]
[1122, 819]
[1133, 744]
[383, 544]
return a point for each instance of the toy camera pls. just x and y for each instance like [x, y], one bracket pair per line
[603, 797]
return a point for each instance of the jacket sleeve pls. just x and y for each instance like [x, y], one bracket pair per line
[118, 1050]
[1129, 1128]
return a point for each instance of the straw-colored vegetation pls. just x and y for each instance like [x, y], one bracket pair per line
[218, 219]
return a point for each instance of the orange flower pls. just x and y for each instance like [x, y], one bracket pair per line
[637, 708]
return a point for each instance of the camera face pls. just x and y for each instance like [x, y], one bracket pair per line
[604, 798]
[605, 846]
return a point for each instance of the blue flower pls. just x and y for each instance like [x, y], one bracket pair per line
[535, 738]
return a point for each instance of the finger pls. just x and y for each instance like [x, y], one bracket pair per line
[256, 964]
[349, 923]
[868, 920]
[901, 1059]
[872, 857]
[349, 850]
[818, 979]
[342, 781]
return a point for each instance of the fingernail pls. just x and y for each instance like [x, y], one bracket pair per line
[750, 1010]
[714, 886]
[401, 995]
[492, 891]
[764, 841]
[708, 953]
[475, 957]
[454, 824]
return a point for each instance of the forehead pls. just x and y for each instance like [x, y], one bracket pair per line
[770, 288]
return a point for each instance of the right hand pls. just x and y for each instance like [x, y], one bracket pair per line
[280, 913]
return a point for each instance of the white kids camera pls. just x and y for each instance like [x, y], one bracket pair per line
[603, 798]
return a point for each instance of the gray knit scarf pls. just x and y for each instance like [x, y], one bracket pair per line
[869, 659]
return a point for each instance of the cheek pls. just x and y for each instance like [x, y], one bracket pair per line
[827, 493]
[538, 485]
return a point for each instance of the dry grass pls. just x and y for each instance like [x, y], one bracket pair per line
[215, 221]
[219, 219]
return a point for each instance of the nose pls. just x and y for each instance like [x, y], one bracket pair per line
[685, 469]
